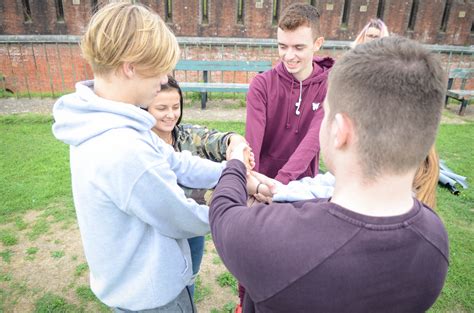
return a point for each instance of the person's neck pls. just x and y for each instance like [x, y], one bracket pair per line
[110, 88]
[389, 195]
[165, 136]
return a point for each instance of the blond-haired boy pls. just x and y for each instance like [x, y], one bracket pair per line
[124, 178]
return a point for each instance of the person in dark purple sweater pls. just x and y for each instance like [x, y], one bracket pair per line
[372, 247]
[284, 104]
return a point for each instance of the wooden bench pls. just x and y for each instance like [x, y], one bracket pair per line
[461, 94]
[206, 67]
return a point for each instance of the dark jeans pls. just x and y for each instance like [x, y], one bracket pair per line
[183, 303]
[196, 246]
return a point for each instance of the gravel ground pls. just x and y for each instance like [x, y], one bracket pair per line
[216, 109]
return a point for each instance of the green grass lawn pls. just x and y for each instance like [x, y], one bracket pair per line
[34, 175]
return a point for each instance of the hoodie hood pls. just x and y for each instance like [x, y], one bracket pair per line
[320, 72]
[83, 115]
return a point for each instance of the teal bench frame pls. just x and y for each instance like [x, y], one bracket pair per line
[206, 67]
[462, 95]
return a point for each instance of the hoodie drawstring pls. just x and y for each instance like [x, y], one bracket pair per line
[301, 94]
[288, 107]
[298, 104]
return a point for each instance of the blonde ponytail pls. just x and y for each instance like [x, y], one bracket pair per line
[426, 179]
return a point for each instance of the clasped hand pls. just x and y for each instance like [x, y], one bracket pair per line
[261, 187]
[258, 185]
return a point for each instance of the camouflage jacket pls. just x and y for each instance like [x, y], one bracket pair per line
[203, 142]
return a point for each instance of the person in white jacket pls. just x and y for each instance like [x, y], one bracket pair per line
[133, 217]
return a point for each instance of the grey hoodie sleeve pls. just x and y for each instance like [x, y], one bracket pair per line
[156, 199]
[193, 171]
[145, 185]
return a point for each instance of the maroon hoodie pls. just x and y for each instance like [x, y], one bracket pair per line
[286, 145]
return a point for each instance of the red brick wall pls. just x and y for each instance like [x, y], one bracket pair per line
[45, 68]
[42, 68]
[44, 19]
[459, 28]
[186, 18]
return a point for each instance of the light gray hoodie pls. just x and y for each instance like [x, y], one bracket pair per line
[133, 216]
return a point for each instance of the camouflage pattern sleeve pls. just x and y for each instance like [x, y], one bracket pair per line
[199, 140]
[199, 195]
[205, 143]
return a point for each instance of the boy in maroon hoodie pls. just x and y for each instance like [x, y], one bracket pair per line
[284, 105]
[372, 247]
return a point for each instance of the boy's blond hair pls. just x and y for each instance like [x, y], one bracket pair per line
[124, 32]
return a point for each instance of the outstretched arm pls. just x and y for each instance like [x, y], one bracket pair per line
[256, 117]
[307, 150]
[206, 143]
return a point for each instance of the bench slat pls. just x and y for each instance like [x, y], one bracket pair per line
[240, 66]
[460, 94]
[218, 66]
[214, 87]
[463, 73]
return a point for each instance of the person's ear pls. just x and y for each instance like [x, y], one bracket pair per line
[128, 69]
[344, 130]
[318, 43]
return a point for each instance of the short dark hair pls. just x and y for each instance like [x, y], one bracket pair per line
[300, 14]
[393, 90]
